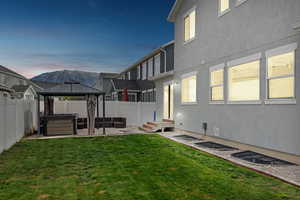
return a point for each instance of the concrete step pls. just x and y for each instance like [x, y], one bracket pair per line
[146, 130]
[149, 126]
[169, 121]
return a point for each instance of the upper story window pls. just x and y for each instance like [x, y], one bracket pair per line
[144, 71]
[190, 25]
[281, 72]
[217, 83]
[189, 88]
[138, 72]
[157, 64]
[150, 67]
[223, 7]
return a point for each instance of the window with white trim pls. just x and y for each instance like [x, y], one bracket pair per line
[223, 6]
[190, 26]
[150, 67]
[138, 72]
[144, 71]
[217, 84]
[157, 64]
[189, 89]
[281, 76]
[243, 82]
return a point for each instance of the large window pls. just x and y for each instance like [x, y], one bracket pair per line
[217, 84]
[189, 89]
[223, 6]
[281, 76]
[243, 82]
[190, 26]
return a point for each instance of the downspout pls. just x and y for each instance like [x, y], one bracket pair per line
[165, 52]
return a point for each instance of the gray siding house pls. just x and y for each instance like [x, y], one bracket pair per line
[236, 69]
[156, 66]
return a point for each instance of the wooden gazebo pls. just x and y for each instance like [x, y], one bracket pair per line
[69, 89]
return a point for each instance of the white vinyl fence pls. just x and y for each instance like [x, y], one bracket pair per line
[136, 113]
[17, 117]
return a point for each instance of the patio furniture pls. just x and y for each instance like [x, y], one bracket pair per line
[54, 125]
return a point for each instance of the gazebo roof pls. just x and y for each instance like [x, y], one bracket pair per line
[71, 89]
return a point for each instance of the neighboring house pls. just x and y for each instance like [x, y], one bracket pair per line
[137, 90]
[157, 65]
[11, 79]
[26, 92]
[5, 91]
[104, 83]
[236, 69]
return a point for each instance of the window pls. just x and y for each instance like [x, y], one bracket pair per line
[189, 89]
[223, 6]
[243, 82]
[150, 67]
[281, 76]
[157, 64]
[190, 26]
[138, 72]
[144, 71]
[217, 83]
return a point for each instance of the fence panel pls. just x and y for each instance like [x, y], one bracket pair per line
[16, 117]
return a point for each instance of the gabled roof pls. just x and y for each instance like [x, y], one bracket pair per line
[20, 88]
[134, 85]
[175, 9]
[151, 54]
[70, 89]
[45, 85]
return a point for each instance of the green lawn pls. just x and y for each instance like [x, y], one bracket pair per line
[128, 167]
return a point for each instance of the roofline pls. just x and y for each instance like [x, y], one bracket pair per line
[152, 53]
[173, 12]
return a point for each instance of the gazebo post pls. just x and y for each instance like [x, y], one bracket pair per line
[103, 98]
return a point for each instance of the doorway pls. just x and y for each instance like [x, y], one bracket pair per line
[168, 101]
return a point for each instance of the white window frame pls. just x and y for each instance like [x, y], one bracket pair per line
[275, 52]
[184, 16]
[240, 61]
[212, 69]
[129, 75]
[221, 13]
[195, 73]
[239, 2]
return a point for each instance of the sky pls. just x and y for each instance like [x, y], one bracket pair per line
[38, 36]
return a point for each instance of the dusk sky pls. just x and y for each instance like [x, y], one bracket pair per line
[39, 36]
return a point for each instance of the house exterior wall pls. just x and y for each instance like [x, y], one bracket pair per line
[253, 27]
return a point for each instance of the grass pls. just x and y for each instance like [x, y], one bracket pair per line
[126, 168]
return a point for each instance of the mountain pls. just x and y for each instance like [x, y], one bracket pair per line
[85, 78]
